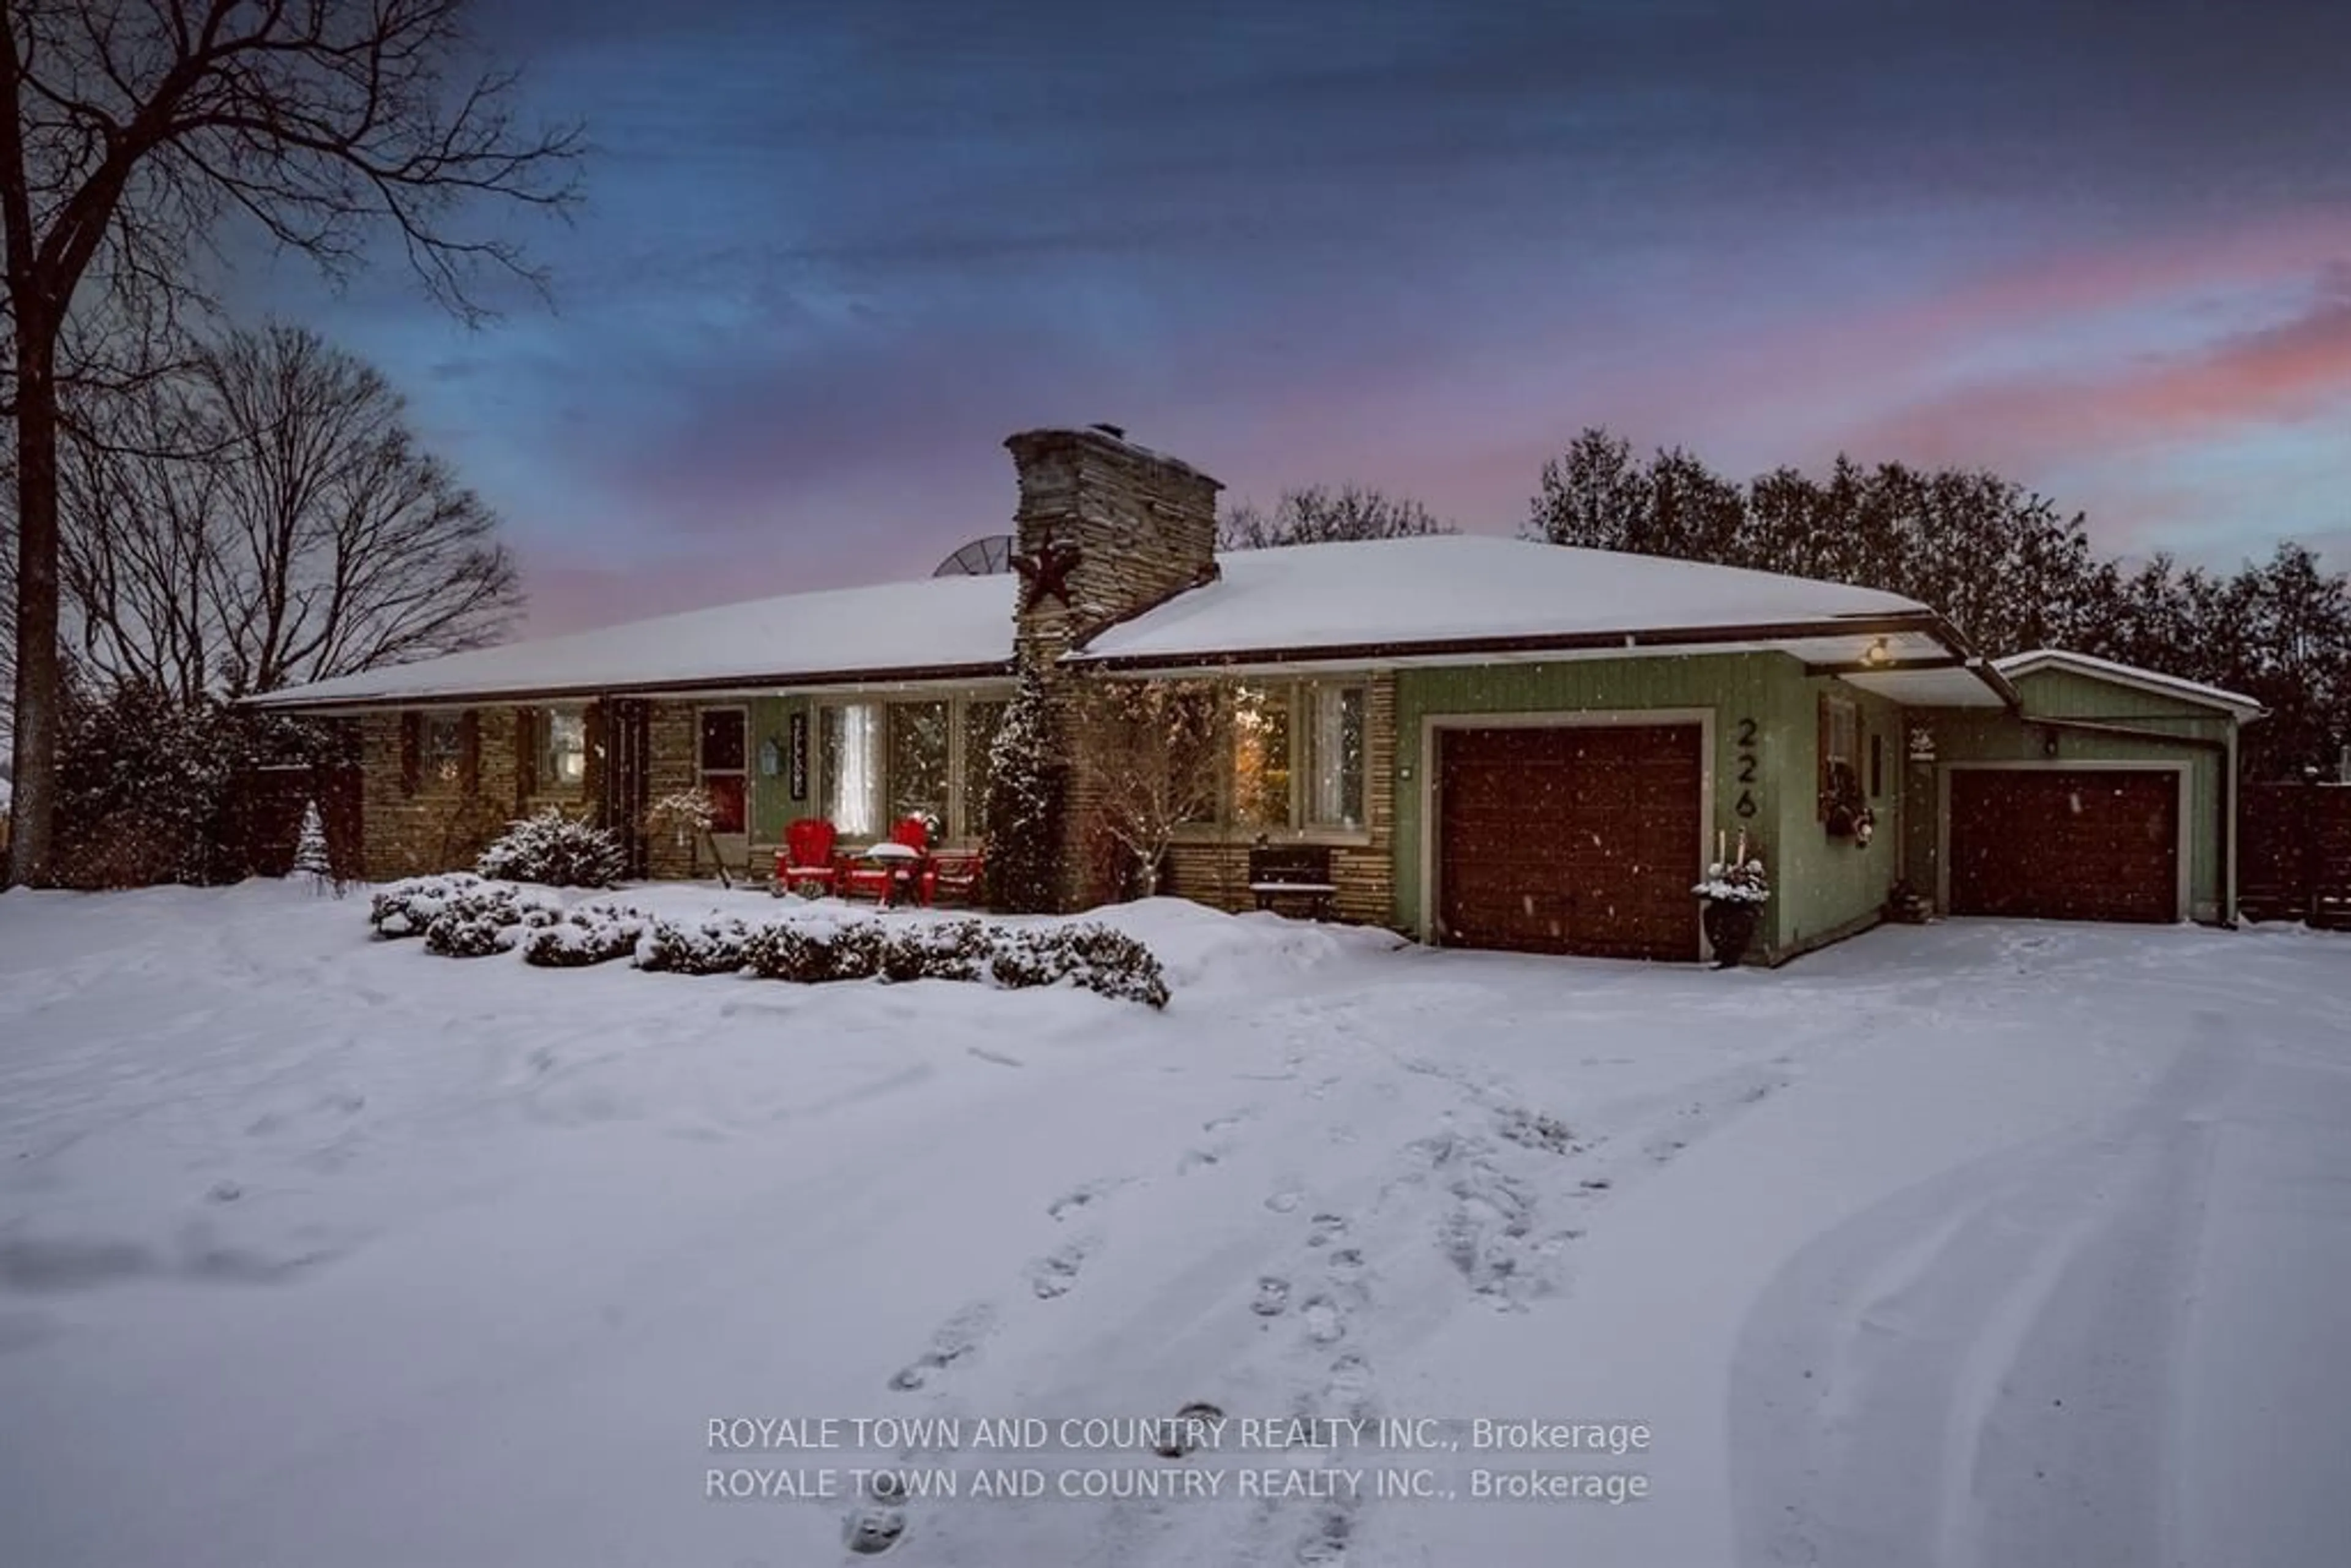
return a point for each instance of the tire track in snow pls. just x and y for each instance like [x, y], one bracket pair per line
[1973, 1371]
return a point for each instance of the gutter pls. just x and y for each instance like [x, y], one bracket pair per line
[1648, 639]
[523, 696]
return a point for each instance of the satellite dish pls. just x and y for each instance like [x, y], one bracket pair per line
[982, 557]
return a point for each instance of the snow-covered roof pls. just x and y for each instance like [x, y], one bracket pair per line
[1466, 588]
[931, 625]
[2025, 664]
[1478, 593]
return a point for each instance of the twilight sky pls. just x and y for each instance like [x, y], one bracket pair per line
[833, 254]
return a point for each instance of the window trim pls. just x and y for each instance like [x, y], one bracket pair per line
[546, 777]
[961, 829]
[1298, 829]
[701, 776]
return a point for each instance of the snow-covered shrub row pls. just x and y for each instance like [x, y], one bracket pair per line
[591, 933]
[1097, 958]
[488, 918]
[555, 851]
[712, 946]
[463, 915]
[406, 907]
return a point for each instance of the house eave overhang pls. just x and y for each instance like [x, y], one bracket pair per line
[757, 682]
[1637, 641]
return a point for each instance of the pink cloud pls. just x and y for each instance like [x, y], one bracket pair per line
[2281, 373]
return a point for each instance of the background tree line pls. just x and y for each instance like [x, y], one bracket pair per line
[2009, 569]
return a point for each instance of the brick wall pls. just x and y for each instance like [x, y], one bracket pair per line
[672, 740]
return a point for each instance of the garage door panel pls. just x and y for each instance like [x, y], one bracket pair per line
[2065, 843]
[1568, 839]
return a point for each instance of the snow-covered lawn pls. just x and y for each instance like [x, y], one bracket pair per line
[1972, 1244]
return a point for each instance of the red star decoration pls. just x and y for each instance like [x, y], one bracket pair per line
[1046, 571]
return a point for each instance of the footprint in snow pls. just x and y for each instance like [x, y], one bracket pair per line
[1326, 1323]
[1232, 1119]
[1078, 1198]
[873, 1531]
[1272, 1297]
[1285, 1200]
[1325, 1228]
[957, 1338]
[1346, 1263]
[1195, 1159]
[1053, 1274]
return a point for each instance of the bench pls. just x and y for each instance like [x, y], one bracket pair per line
[1299, 873]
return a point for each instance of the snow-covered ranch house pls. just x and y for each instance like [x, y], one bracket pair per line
[1477, 741]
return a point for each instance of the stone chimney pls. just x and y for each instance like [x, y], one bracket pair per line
[1116, 526]
[1105, 530]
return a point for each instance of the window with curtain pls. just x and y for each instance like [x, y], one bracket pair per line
[981, 720]
[1334, 755]
[849, 738]
[562, 748]
[919, 747]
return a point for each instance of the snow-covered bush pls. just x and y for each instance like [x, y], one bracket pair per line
[488, 918]
[590, 934]
[942, 950]
[555, 851]
[813, 952]
[1023, 810]
[710, 947]
[1090, 956]
[406, 907]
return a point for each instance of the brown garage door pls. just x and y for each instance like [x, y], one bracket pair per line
[2077, 844]
[1570, 839]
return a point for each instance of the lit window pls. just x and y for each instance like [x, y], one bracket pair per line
[563, 750]
[918, 761]
[1334, 765]
[981, 720]
[444, 747]
[1260, 730]
[849, 738]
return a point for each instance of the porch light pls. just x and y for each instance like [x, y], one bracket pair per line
[1877, 655]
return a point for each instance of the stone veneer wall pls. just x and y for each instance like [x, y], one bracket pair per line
[671, 740]
[442, 826]
[1217, 874]
[1146, 528]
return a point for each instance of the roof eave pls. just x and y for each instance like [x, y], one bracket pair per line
[293, 702]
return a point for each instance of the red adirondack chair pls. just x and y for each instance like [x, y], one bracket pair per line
[954, 877]
[806, 859]
[879, 880]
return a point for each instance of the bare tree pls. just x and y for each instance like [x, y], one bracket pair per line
[266, 520]
[1318, 515]
[130, 129]
[1150, 746]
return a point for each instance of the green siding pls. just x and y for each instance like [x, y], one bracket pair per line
[772, 806]
[1969, 734]
[1821, 884]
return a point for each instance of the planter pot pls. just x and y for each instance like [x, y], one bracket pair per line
[1729, 926]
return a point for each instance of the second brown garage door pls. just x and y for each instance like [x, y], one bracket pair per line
[1570, 839]
[2075, 843]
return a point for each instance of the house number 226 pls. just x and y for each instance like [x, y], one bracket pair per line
[1747, 764]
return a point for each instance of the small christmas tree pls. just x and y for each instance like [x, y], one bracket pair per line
[310, 856]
